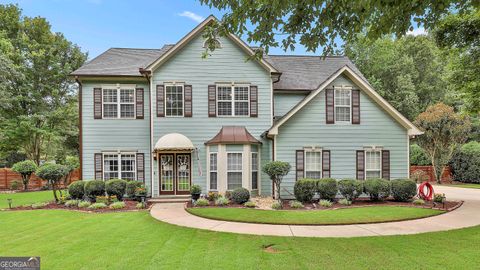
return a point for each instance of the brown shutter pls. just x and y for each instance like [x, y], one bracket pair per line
[329, 106]
[360, 164]
[98, 166]
[187, 96]
[386, 164]
[299, 161]
[97, 103]
[355, 106]
[253, 101]
[139, 103]
[160, 101]
[212, 101]
[141, 167]
[326, 163]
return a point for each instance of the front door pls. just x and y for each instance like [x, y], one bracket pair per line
[175, 173]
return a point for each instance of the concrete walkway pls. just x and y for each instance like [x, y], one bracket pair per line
[466, 216]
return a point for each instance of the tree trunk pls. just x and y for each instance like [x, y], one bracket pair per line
[52, 184]
[25, 182]
[277, 190]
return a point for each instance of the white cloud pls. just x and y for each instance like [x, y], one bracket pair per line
[192, 16]
[417, 32]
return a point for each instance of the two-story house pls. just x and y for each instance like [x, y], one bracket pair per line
[170, 118]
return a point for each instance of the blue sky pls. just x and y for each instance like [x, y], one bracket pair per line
[96, 25]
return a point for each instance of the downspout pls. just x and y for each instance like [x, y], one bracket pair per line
[147, 75]
[80, 133]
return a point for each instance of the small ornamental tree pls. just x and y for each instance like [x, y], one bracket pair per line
[26, 169]
[444, 131]
[53, 173]
[276, 170]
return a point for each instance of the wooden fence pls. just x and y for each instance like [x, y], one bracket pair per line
[428, 170]
[7, 176]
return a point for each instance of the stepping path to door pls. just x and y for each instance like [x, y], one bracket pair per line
[467, 215]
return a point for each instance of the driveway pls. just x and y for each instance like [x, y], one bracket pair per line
[466, 216]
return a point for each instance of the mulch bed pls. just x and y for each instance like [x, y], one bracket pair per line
[361, 202]
[129, 206]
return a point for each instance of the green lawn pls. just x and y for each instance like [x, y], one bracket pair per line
[465, 185]
[134, 240]
[25, 198]
[326, 217]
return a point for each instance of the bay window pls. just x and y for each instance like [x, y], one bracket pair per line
[234, 170]
[213, 171]
[254, 167]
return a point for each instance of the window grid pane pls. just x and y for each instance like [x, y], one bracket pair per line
[373, 164]
[128, 166]
[110, 167]
[313, 164]
[342, 105]
[174, 100]
[233, 100]
[234, 170]
[254, 170]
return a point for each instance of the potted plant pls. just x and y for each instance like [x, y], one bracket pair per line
[195, 191]
[141, 193]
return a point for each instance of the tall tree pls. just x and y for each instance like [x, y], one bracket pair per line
[38, 110]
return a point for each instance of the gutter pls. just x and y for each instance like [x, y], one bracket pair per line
[80, 133]
[148, 75]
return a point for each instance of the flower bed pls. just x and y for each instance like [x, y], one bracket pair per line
[130, 205]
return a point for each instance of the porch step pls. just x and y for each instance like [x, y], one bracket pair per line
[170, 198]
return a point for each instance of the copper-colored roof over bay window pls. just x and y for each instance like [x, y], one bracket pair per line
[233, 135]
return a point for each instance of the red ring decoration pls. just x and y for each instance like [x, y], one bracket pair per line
[421, 191]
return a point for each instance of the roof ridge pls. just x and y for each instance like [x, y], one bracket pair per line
[303, 55]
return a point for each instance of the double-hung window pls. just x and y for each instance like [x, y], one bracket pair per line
[313, 164]
[234, 170]
[343, 100]
[174, 100]
[118, 102]
[233, 100]
[254, 170]
[373, 163]
[119, 166]
[213, 171]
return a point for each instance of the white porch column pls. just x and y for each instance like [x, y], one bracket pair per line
[222, 168]
[246, 166]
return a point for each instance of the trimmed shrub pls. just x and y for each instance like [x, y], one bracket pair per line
[94, 188]
[25, 168]
[202, 202]
[140, 205]
[212, 196]
[418, 156]
[77, 189]
[96, 206]
[130, 188]
[439, 197]
[116, 187]
[276, 206]
[326, 203]
[195, 189]
[465, 163]
[419, 202]
[117, 205]
[344, 202]
[228, 194]
[221, 201]
[39, 205]
[377, 189]
[304, 189]
[327, 188]
[240, 195]
[15, 185]
[84, 204]
[350, 189]
[296, 204]
[250, 204]
[72, 203]
[403, 189]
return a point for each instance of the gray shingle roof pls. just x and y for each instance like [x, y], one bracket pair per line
[298, 72]
[121, 62]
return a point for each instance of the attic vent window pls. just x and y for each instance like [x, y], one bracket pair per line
[216, 43]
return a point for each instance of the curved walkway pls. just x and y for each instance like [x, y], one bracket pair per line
[466, 216]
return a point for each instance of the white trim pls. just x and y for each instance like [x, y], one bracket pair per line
[257, 170]
[152, 167]
[408, 156]
[372, 149]
[197, 30]
[311, 150]
[119, 160]
[227, 170]
[165, 99]
[118, 88]
[232, 100]
[412, 129]
[209, 170]
[349, 106]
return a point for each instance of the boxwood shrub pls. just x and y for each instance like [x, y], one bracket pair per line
[77, 190]
[377, 189]
[327, 188]
[465, 163]
[131, 186]
[350, 189]
[240, 195]
[305, 189]
[94, 188]
[403, 189]
[116, 187]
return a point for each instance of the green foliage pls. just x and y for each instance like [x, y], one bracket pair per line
[26, 169]
[418, 202]
[77, 189]
[444, 131]
[327, 188]
[350, 189]
[345, 202]
[97, 206]
[117, 205]
[403, 190]
[276, 205]
[53, 173]
[222, 201]
[202, 202]
[72, 203]
[377, 189]
[305, 189]
[106, 199]
[116, 187]
[141, 191]
[131, 187]
[195, 189]
[15, 185]
[212, 195]
[140, 205]
[418, 156]
[465, 163]
[228, 194]
[84, 204]
[296, 204]
[326, 203]
[419, 176]
[276, 170]
[94, 188]
[240, 195]
[439, 197]
[250, 204]
[39, 205]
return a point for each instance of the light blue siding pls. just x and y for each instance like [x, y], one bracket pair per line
[227, 64]
[284, 102]
[308, 128]
[113, 134]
